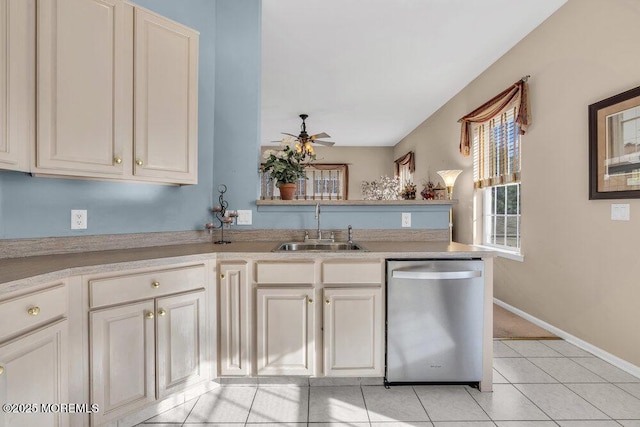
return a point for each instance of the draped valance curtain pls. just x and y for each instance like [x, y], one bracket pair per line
[408, 159]
[516, 94]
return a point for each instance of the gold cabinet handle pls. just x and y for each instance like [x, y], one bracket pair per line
[139, 162]
[117, 160]
[327, 301]
[149, 315]
[222, 276]
[34, 311]
[310, 301]
[155, 284]
[162, 312]
[1, 370]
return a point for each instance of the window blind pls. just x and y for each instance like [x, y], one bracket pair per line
[496, 150]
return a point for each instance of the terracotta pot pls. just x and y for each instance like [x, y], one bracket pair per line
[287, 191]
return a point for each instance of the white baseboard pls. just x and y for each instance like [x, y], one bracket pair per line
[604, 355]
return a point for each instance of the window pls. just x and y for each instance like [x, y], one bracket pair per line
[496, 174]
[323, 182]
[404, 168]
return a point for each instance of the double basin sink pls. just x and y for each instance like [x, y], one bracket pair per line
[318, 246]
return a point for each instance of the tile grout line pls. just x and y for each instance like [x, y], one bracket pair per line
[309, 403]
[194, 405]
[422, 404]
[255, 393]
[365, 404]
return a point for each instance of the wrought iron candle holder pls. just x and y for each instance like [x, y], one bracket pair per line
[222, 215]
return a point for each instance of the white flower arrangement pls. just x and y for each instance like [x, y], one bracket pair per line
[384, 188]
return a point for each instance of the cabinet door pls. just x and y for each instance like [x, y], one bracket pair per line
[85, 63]
[17, 88]
[286, 344]
[181, 342]
[166, 100]
[353, 326]
[34, 371]
[234, 319]
[122, 359]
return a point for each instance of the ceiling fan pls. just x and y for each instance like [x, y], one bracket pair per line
[304, 137]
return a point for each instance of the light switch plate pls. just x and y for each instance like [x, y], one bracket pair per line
[620, 212]
[78, 219]
[244, 217]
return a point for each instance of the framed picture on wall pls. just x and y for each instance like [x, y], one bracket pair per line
[614, 147]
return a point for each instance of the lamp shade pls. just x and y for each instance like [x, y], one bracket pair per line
[449, 176]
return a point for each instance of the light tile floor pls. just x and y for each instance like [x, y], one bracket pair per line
[536, 384]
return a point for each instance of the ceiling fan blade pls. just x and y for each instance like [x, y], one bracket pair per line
[325, 143]
[290, 134]
[319, 135]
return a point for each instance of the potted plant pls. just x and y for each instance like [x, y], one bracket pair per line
[287, 165]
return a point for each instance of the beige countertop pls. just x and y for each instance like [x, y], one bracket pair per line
[18, 272]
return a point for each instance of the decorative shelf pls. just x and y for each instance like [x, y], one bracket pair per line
[356, 202]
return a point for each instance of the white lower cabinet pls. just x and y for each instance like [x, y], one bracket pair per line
[285, 331]
[179, 341]
[353, 332]
[129, 342]
[271, 323]
[122, 359]
[147, 337]
[34, 371]
[234, 318]
[34, 362]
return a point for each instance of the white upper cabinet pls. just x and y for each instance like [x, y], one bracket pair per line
[85, 99]
[87, 53]
[166, 94]
[17, 94]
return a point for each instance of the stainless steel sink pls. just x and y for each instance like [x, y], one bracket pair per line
[319, 246]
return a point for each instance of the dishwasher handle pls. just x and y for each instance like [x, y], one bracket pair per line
[417, 274]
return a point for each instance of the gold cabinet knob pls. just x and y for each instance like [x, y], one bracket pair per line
[1, 370]
[155, 284]
[310, 301]
[222, 276]
[162, 312]
[34, 311]
[327, 301]
[139, 162]
[117, 160]
[149, 315]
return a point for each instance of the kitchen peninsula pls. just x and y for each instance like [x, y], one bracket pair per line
[206, 314]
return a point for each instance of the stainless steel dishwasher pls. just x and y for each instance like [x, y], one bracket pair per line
[434, 321]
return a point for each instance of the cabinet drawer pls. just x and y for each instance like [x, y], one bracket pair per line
[20, 314]
[285, 272]
[150, 284]
[352, 272]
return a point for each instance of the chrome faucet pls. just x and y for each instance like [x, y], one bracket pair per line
[349, 234]
[317, 217]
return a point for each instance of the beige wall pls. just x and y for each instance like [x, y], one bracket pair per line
[365, 163]
[580, 268]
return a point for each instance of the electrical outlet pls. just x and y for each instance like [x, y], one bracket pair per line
[244, 217]
[78, 219]
[406, 219]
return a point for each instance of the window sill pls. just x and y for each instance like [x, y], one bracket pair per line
[503, 253]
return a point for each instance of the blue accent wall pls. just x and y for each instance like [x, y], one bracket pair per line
[229, 153]
[41, 207]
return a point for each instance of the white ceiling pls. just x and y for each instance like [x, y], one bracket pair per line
[368, 72]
